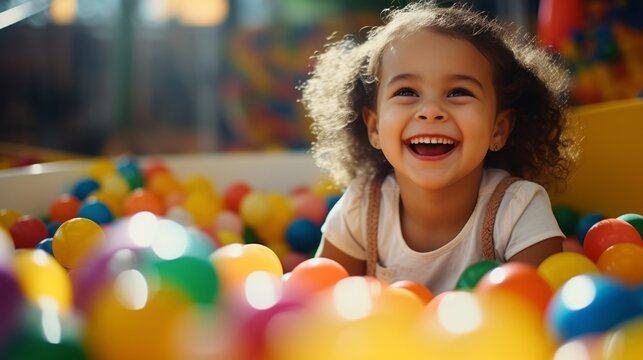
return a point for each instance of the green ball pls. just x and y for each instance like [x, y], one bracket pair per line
[635, 220]
[471, 275]
[567, 218]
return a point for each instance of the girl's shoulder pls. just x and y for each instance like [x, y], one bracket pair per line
[520, 192]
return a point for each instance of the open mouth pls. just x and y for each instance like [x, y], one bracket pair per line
[431, 145]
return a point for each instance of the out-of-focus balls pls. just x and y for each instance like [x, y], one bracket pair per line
[255, 209]
[64, 208]
[588, 304]
[130, 171]
[83, 187]
[194, 276]
[635, 220]
[200, 183]
[164, 184]
[310, 206]
[325, 187]
[143, 200]
[234, 193]
[8, 217]
[422, 292]
[520, 279]
[180, 215]
[228, 221]
[303, 235]
[586, 347]
[46, 245]
[154, 167]
[115, 185]
[96, 211]
[52, 227]
[472, 274]
[624, 342]
[114, 203]
[42, 278]
[28, 231]
[101, 168]
[75, 240]
[586, 222]
[567, 218]
[468, 325]
[45, 333]
[623, 261]
[249, 236]
[606, 233]
[229, 237]
[560, 267]
[203, 207]
[6, 247]
[11, 303]
[235, 262]
[313, 276]
[331, 201]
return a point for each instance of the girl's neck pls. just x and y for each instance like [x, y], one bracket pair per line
[431, 218]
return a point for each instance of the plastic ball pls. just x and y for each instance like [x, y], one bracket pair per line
[586, 222]
[624, 342]
[114, 203]
[255, 209]
[65, 207]
[52, 227]
[521, 280]
[234, 194]
[472, 274]
[180, 215]
[193, 276]
[11, 303]
[83, 187]
[130, 171]
[115, 185]
[96, 211]
[310, 206]
[164, 184]
[313, 276]
[303, 235]
[42, 278]
[46, 245]
[589, 304]
[586, 347]
[606, 233]
[635, 220]
[203, 207]
[422, 292]
[292, 259]
[560, 267]
[235, 262]
[143, 200]
[28, 231]
[567, 219]
[8, 217]
[153, 167]
[199, 183]
[75, 240]
[228, 221]
[6, 247]
[101, 167]
[623, 261]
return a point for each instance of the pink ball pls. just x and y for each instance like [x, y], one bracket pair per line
[310, 206]
[228, 221]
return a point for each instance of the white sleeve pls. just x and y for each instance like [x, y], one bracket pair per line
[343, 225]
[528, 218]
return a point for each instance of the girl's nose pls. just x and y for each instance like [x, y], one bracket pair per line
[431, 111]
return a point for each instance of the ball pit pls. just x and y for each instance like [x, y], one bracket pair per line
[218, 266]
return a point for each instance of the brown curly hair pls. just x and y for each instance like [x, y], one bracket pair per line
[527, 79]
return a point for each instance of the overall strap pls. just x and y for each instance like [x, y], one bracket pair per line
[488, 251]
[372, 222]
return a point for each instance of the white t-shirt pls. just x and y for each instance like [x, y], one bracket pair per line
[524, 218]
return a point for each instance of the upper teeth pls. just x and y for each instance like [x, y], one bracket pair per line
[431, 140]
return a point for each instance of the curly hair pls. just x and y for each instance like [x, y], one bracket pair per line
[527, 80]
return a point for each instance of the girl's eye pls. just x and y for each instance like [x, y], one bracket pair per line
[405, 92]
[459, 92]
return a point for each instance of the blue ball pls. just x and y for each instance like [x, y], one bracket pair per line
[331, 201]
[96, 211]
[588, 304]
[128, 168]
[303, 235]
[586, 222]
[83, 187]
[52, 227]
[47, 245]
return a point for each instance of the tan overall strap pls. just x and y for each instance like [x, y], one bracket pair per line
[372, 222]
[488, 252]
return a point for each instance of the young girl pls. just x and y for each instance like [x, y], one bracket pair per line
[421, 124]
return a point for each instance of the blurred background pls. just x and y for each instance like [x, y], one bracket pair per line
[110, 77]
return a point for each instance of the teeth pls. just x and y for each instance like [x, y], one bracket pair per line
[431, 140]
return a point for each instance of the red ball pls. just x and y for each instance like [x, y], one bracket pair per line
[234, 193]
[28, 231]
[606, 233]
[65, 207]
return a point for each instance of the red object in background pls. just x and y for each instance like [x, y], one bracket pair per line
[234, 193]
[28, 231]
[557, 19]
[65, 207]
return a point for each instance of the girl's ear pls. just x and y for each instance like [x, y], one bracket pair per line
[370, 119]
[502, 129]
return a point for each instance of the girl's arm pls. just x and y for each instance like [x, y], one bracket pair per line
[538, 252]
[352, 265]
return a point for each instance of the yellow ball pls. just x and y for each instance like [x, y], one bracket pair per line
[255, 209]
[235, 262]
[102, 167]
[42, 278]
[115, 185]
[203, 207]
[8, 217]
[75, 240]
[560, 267]
[624, 342]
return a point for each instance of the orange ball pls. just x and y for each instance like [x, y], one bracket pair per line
[422, 292]
[520, 279]
[623, 261]
[143, 200]
[313, 276]
[65, 207]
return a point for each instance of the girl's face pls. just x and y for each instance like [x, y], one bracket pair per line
[435, 116]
